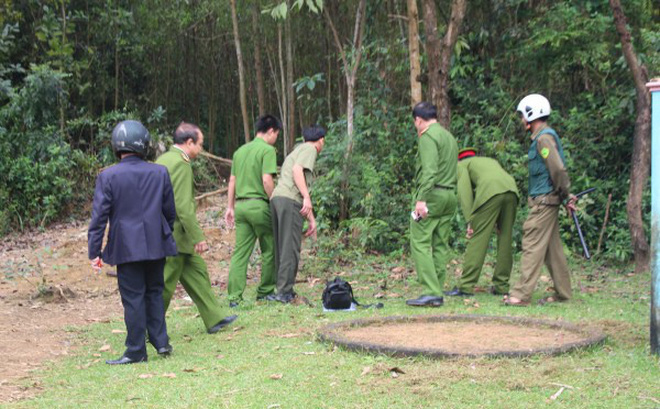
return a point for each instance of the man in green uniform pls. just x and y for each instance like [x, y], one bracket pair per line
[291, 203]
[434, 201]
[488, 197]
[250, 187]
[188, 266]
[548, 188]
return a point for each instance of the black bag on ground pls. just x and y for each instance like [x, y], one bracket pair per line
[337, 295]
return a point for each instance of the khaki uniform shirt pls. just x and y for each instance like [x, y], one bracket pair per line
[304, 155]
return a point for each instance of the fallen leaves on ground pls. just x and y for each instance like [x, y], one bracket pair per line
[276, 376]
[105, 348]
[146, 376]
[169, 375]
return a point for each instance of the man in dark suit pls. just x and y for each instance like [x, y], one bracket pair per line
[137, 198]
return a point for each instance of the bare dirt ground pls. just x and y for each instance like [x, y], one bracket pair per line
[462, 337]
[47, 287]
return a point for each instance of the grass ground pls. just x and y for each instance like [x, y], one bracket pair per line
[271, 359]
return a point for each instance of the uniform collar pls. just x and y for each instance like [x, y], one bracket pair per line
[184, 154]
[427, 128]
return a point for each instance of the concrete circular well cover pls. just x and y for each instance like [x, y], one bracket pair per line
[335, 334]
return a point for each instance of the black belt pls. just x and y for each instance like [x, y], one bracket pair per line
[444, 187]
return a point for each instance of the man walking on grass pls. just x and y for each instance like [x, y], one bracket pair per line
[248, 197]
[188, 266]
[136, 197]
[549, 186]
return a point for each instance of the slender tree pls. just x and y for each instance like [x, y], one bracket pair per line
[241, 72]
[413, 51]
[641, 156]
[350, 74]
[258, 65]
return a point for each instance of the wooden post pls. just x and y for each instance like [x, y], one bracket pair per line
[654, 88]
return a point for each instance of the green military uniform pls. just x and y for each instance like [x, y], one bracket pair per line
[187, 267]
[287, 221]
[488, 197]
[548, 187]
[435, 184]
[252, 215]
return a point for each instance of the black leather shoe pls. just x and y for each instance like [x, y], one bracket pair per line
[457, 293]
[124, 360]
[264, 297]
[223, 323]
[426, 301]
[233, 304]
[165, 351]
[283, 298]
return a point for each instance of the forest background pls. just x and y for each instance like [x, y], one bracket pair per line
[71, 69]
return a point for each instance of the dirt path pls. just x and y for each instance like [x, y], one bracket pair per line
[46, 286]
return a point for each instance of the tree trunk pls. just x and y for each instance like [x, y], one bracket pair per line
[284, 108]
[439, 54]
[241, 72]
[258, 66]
[413, 50]
[290, 94]
[432, 50]
[350, 73]
[641, 156]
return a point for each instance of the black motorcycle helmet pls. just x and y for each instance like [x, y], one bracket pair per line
[130, 136]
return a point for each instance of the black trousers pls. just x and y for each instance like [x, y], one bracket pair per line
[141, 288]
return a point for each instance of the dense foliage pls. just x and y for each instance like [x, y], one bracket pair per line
[69, 70]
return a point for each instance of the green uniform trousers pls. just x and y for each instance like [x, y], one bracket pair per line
[500, 211]
[541, 243]
[287, 229]
[429, 241]
[253, 222]
[191, 270]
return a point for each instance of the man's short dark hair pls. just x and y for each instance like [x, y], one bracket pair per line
[425, 110]
[313, 133]
[186, 131]
[267, 122]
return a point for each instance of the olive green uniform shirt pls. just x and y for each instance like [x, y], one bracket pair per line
[187, 231]
[479, 179]
[435, 164]
[251, 161]
[304, 155]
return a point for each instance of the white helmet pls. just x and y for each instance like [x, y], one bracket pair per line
[534, 106]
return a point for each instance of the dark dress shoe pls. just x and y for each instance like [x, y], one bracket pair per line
[233, 304]
[264, 297]
[124, 360]
[457, 293]
[426, 301]
[223, 323]
[283, 298]
[165, 351]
